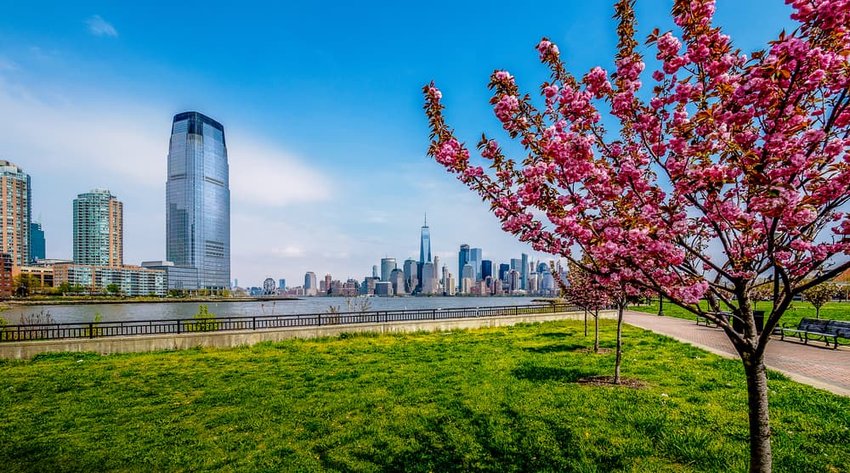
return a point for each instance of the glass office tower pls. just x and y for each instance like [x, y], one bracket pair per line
[198, 200]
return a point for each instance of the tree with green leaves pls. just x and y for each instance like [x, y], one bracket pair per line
[820, 295]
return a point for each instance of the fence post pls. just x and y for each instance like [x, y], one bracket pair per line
[254, 323]
[178, 326]
[320, 319]
[91, 330]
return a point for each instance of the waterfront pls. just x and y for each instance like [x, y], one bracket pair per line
[181, 310]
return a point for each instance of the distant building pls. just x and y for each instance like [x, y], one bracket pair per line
[475, 259]
[197, 199]
[450, 285]
[429, 279]
[387, 267]
[281, 284]
[411, 271]
[383, 288]
[98, 229]
[38, 245]
[462, 260]
[486, 269]
[424, 250]
[468, 272]
[503, 271]
[375, 271]
[43, 274]
[15, 213]
[6, 266]
[397, 280]
[269, 287]
[310, 287]
[368, 286]
[178, 278]
[524, 272]
[131, 280]
[350, 288]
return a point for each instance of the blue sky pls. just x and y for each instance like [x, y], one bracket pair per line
[321, 107]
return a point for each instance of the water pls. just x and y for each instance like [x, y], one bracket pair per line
[184, 310]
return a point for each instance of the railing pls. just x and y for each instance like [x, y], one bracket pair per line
[60, 331]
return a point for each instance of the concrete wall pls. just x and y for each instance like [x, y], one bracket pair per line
[147, 343]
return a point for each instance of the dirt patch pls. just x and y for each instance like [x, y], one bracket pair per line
[602, 351]
[609, 381]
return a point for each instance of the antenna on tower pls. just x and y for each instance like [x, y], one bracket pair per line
[426, 219]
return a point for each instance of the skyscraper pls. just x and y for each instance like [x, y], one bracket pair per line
[504, 268]
[486, 269]
[38, 245]
[310, 288]
[424, 248]
[15, 212]
[411, 273]
[524, 272]
[462, 260]
[475, 258]
[198, 199]
[387, 267]
[98, 229]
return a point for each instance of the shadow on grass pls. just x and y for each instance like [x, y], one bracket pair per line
[555, 335]
[547, 373]
[557, 348]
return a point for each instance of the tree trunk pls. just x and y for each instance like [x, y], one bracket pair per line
[761, 457]
[619, 344]
[817, 312]
[596, 332]
[585, 322]
[660, 304]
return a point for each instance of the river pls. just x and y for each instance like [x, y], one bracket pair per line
[182, 310]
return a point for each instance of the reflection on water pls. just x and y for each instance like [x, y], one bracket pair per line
[183, 310]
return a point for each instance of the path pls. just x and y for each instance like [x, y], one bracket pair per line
[810, 364]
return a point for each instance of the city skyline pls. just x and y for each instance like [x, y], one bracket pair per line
[326, 135]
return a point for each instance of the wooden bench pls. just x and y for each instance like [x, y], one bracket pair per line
[818, 329]
[701, 320]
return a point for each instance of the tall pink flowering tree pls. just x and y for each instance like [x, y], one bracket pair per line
[725, 171]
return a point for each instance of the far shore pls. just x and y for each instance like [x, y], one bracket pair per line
[151, 300]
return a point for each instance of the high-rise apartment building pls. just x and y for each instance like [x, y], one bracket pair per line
[38, 245]
[15, 212]
[198, 199]
[98, 229]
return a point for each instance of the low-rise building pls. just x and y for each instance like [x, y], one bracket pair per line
[180, 278]
[131, 280]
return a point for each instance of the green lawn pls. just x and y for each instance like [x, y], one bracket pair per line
[486, 400]
[797, 311]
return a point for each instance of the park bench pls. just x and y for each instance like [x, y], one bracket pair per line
[701, 320]
[818, 329]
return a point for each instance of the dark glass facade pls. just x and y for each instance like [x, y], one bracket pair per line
[198, 199]
[38, 245]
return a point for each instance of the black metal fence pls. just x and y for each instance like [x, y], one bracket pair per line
[59, 331]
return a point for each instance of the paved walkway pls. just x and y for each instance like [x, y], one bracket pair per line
[810, 364]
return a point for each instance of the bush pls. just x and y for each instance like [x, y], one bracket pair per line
[204, 321]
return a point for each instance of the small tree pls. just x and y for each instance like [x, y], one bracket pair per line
[820, 295]
[585, 293]
[730, 172]
[113, 289]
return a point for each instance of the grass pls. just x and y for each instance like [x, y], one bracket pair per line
[797, 311]
[502, 399]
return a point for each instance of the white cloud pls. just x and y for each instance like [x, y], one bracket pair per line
[262, 174]
[100, 27]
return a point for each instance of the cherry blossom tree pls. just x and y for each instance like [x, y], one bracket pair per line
[728, 171]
